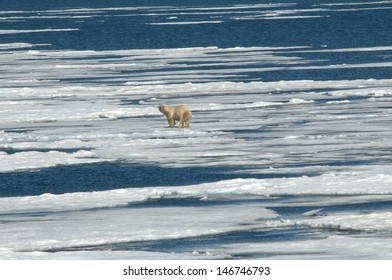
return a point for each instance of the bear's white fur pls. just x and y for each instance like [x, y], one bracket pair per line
[179, 113]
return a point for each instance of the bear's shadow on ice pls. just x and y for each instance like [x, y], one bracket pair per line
[114, 175]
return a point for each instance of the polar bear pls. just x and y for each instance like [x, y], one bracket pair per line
[179, 113]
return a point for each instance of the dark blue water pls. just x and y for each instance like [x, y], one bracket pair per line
[107, 176]
[133, 28]
[129, 29]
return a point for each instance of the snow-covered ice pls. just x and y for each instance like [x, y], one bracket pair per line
[309, 160]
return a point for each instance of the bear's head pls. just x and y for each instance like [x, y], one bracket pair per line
[161, 108]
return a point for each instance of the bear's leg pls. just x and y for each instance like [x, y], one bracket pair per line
[171, 122]
[188, 120]
[181, 123]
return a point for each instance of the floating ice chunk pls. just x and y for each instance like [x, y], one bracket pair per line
[335, 102]
[11, 31]
[186, 22]
[84, 154]
[34, 159]
[20, 46]
[313, 213]
[299, 101]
